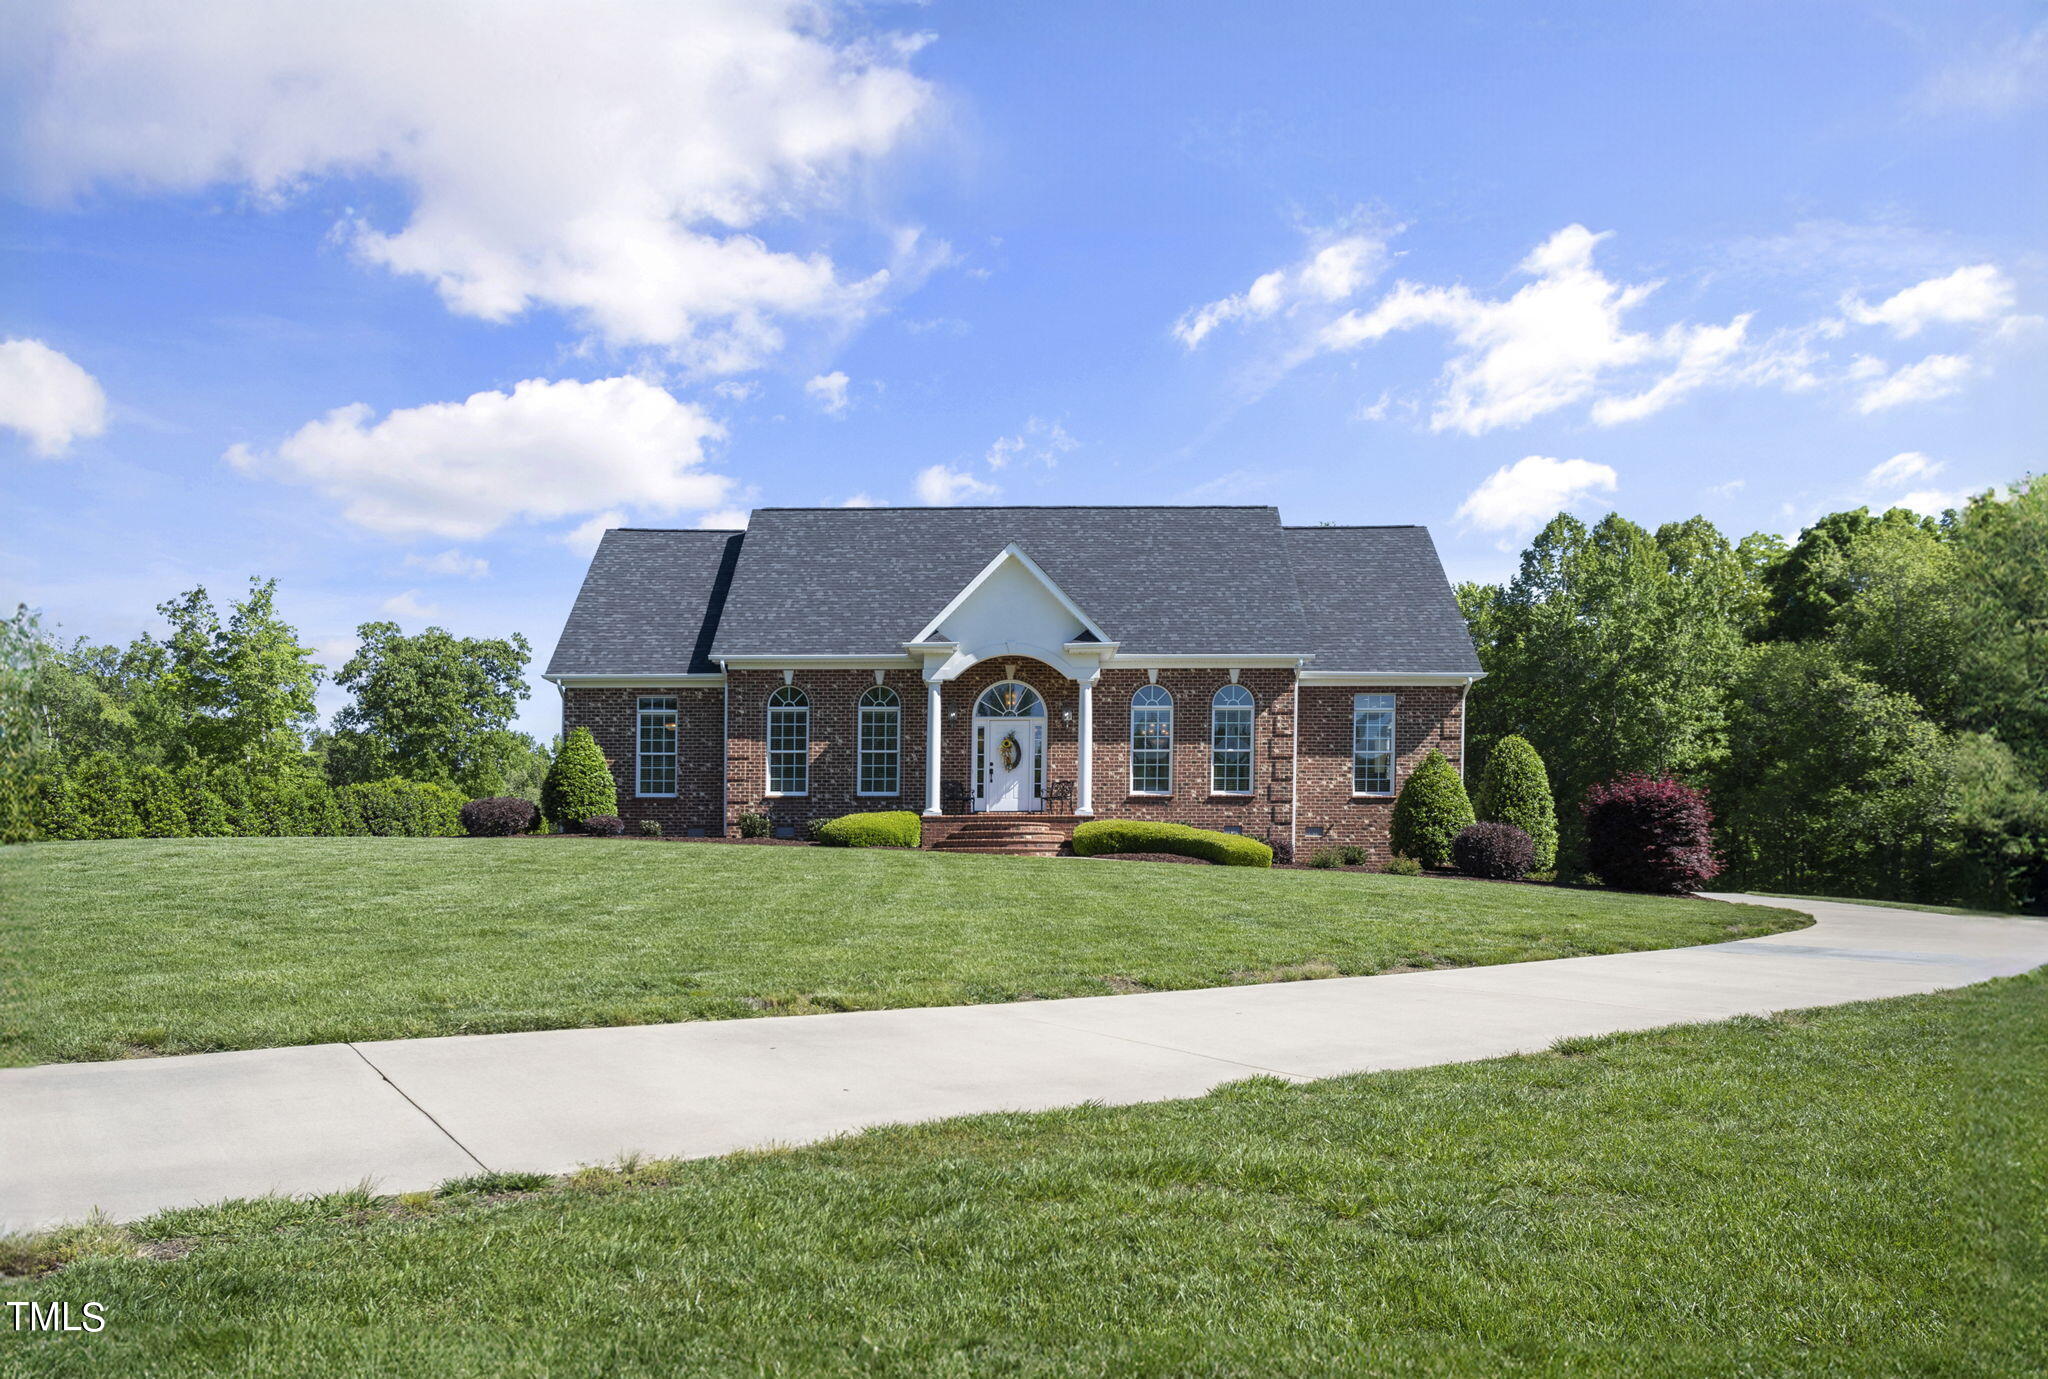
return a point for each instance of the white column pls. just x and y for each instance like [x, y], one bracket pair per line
[932, 721]
[1084, 770]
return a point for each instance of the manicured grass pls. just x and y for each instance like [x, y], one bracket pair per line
[1889, 904]
[170, 946]
[1853, 1191]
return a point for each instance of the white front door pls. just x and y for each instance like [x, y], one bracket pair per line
[1010, 756]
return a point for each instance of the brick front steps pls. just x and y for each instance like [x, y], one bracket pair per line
[1014, 835]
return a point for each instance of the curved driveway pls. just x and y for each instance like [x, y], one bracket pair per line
[135, 1137]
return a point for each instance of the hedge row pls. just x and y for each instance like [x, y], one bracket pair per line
[1133, 835]
[103, 796]
[888, 828]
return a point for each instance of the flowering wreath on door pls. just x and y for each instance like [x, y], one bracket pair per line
[1010, 752]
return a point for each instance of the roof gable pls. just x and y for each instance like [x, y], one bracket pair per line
[1012, 594]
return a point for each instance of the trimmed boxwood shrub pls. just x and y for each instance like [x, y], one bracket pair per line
[755, 825]
[605, 826]
[1431, 810]
[397, 808]
[1515, 789]
[1134, 835]
[1650, 833]
[501, 816]
[1499, 852]
[886, 828]
[579, 784]
[1403, 866]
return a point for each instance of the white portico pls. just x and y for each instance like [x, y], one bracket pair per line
[1012, 608]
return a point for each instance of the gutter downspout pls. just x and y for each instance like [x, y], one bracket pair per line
[724, 749]
[1294, 769]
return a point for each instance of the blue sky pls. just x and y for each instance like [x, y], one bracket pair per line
[400, 306]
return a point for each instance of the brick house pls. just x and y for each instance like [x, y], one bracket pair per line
[1201, 665]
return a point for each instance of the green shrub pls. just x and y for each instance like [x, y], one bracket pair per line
[55, 811]
[650, 828]
[755, 825]
[1515, 789]
[206, 813]
[1326, 859]
[159, 809]
[1133, 835]
[1431, 810]
[579, 785]
[888, 828]
[397, 808]
[99, 792]
[1403, 866]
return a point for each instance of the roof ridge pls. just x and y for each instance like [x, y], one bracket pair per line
[1357, 526]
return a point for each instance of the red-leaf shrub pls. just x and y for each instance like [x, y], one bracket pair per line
[605, 826]
[501, 816]
[1650, 833]
[1500, 852]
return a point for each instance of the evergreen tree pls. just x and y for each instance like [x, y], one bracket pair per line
[206, 814]
[159, 810]
[99, 791]
[579, 785]
[1430, 812]
[1515, 789]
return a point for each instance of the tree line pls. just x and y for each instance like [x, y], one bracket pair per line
[1867, 707]
[217, 716]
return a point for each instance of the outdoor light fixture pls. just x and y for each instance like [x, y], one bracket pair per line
[1067, 717]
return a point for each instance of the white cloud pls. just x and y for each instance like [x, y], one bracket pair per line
[1936, 376]
[860, 500]
[1523, 495]
[724, 519]
[544, 451]
[828, 390]
[1040, 441]
[47, 397]
[1932, 502]
[407, 607]
[1902, 468]
[1968, 295]
[627, 163]
[1557, 341]
[938, 486]
[1333, 271]
[1729, 489]
[451, 563]
[583, 537]
[735, 390]
[1999, 79]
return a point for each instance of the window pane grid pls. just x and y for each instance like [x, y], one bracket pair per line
[881, 738]
[1372, 744]
[656, 769]
[1230, 751]
[789, 742]
[1151, 741]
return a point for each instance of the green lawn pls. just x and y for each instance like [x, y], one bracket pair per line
[116, 948]
[1854, 1191]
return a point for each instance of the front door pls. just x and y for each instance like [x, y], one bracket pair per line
[1009, 756]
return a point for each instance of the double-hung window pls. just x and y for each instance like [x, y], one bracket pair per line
[655, 774]
[881, 742]
[1372, 744]
[789, 742]
[1230, 741]
[1151, 741]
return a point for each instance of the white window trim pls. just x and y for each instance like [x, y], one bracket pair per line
[1251, 745]
[1393, 752]
[768, 748]
[1131, 759]
[675, 713]
[860, 713]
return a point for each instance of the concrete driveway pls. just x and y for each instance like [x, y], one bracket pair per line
[134, 1137]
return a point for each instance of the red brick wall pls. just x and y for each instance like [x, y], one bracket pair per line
[835, 743]
[1265, 813]
[612, 715]
[1425, 717]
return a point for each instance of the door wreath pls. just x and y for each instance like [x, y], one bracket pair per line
[1010, 752]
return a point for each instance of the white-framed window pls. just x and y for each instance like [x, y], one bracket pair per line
[789, 742]
[1151, 741]
[1372, 744]
[654, 775]
[1230, 741]
[881, 742]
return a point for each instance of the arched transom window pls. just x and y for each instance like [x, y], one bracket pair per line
[1230, 741]
[1010, 699]
[789, 742]
[1151, 741]
[881, 742]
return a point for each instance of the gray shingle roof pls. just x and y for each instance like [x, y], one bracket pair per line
[1158, 580]
[1376, 599]
[649, 604]
[846, 581]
